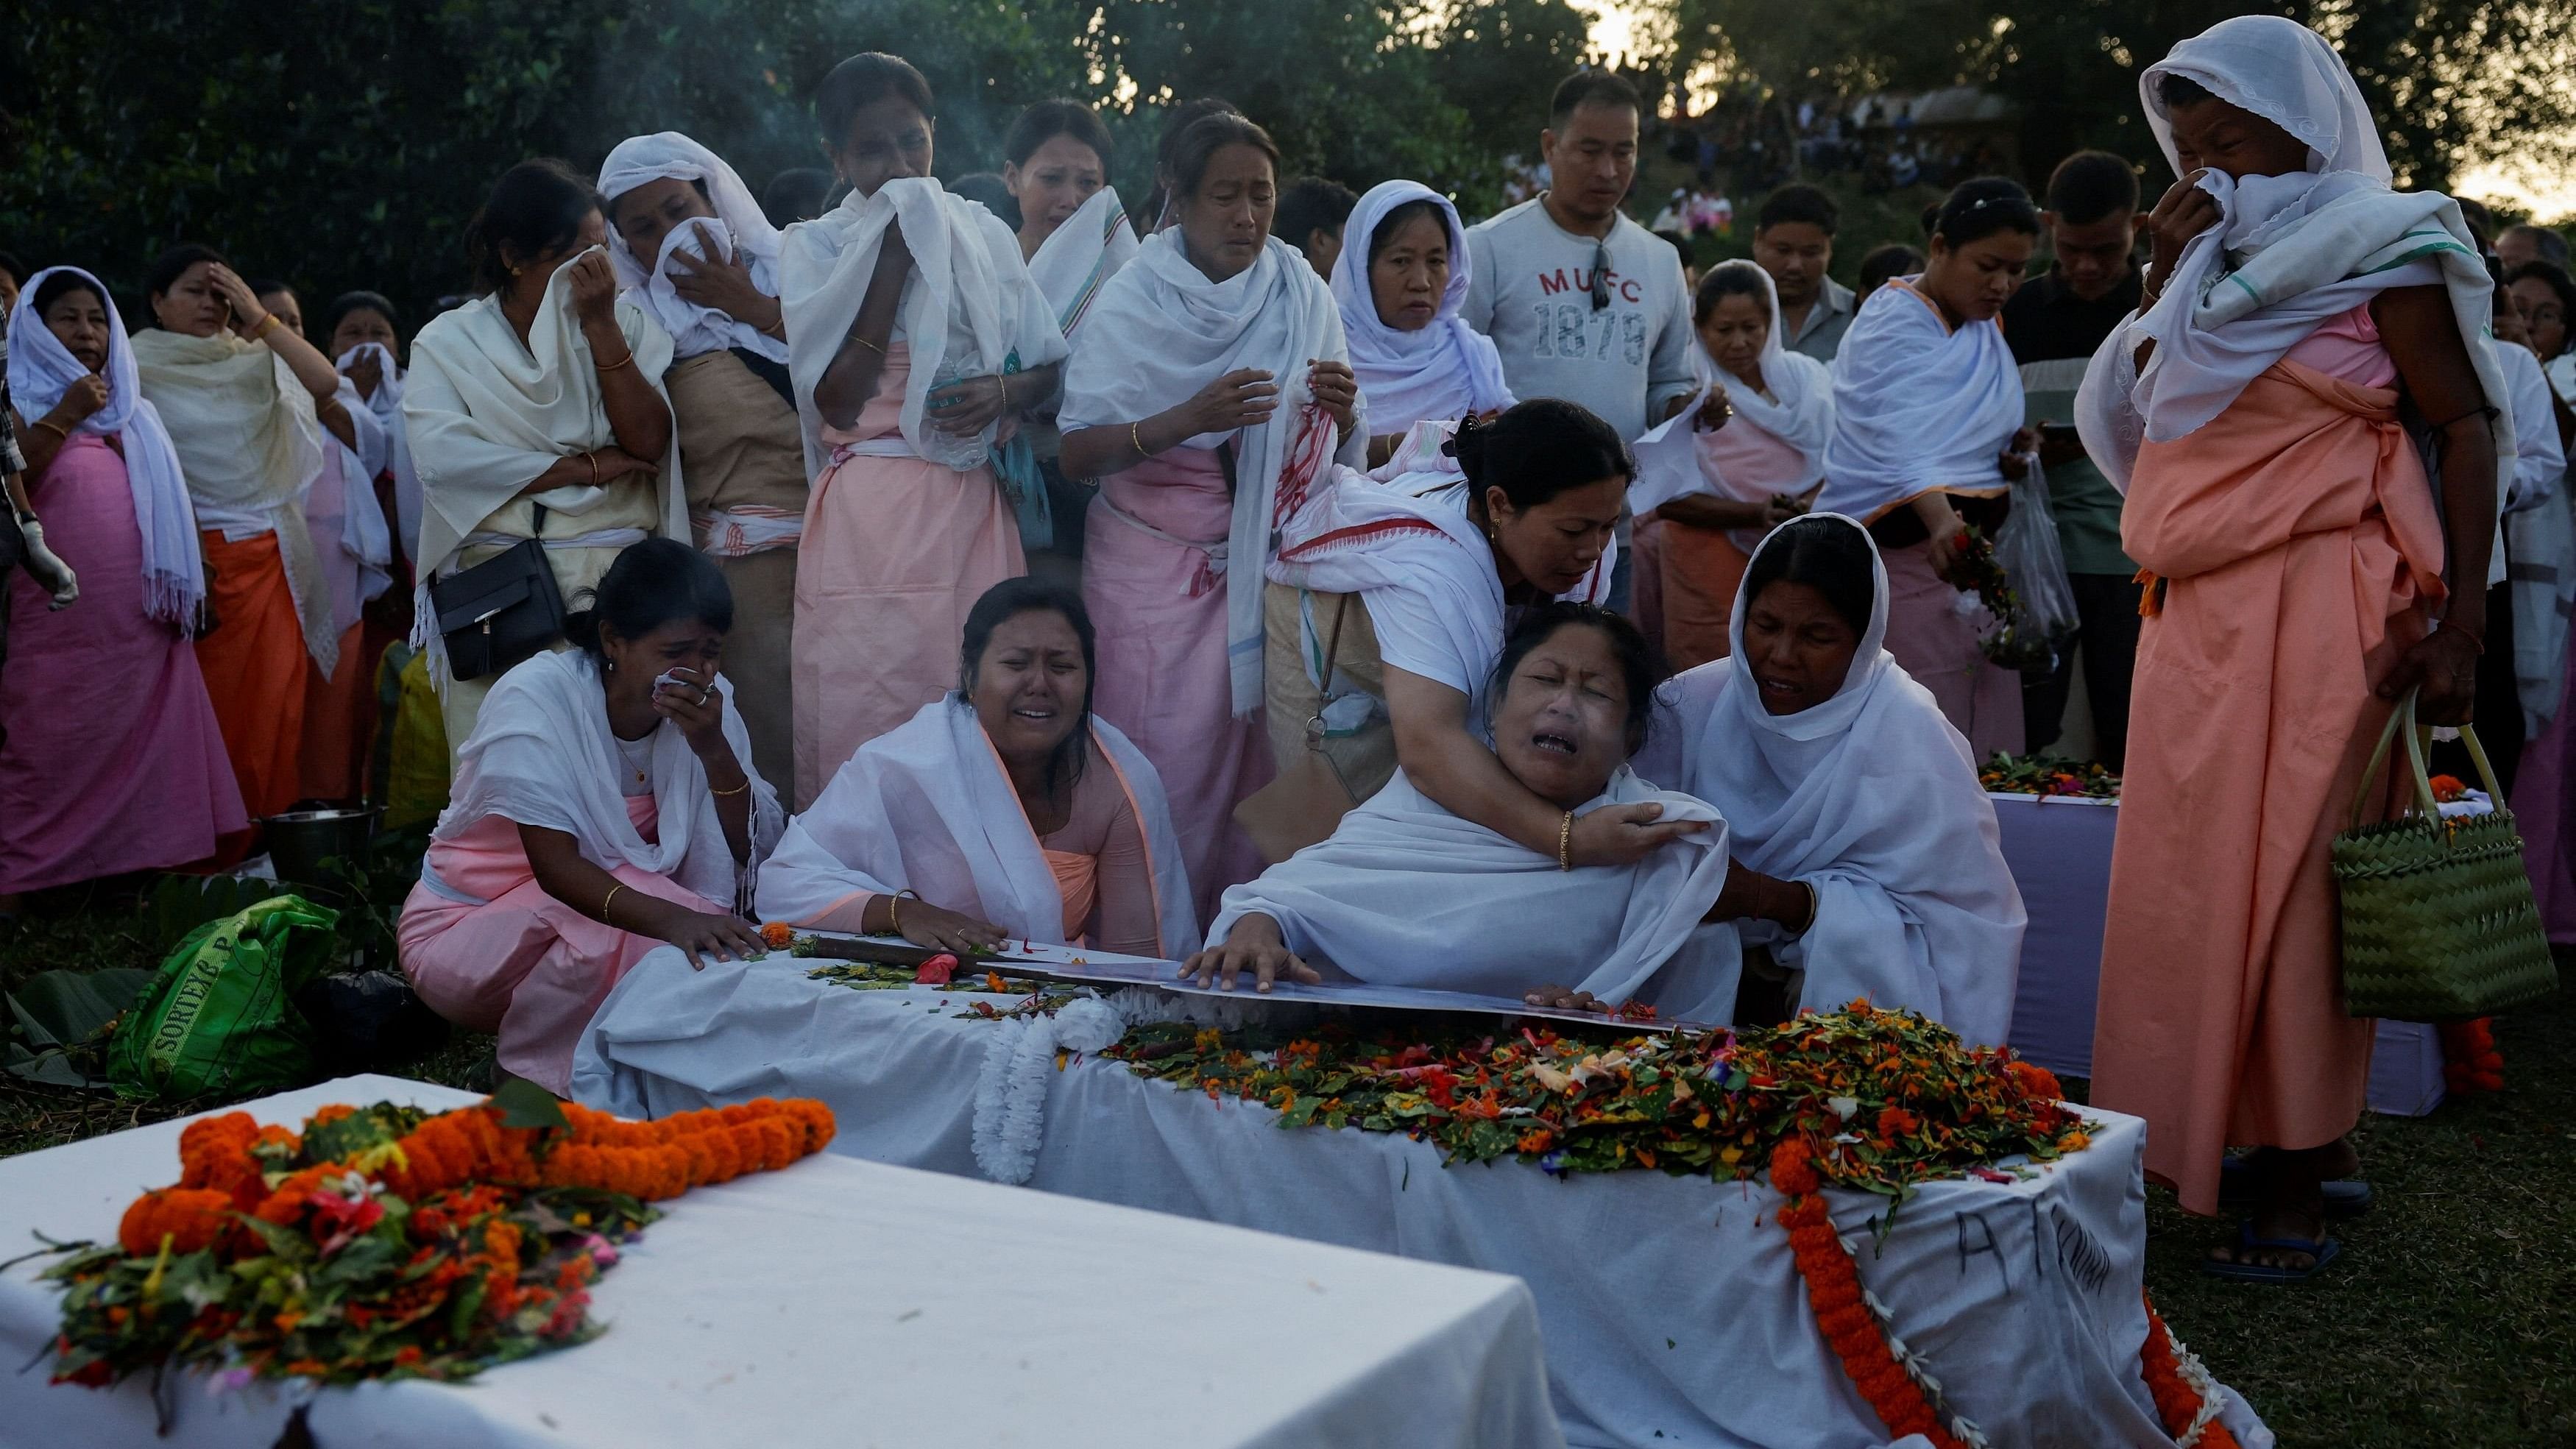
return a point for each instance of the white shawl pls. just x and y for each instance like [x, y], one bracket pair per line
[1918, 408]
[969, 308]
[250, 445]
[738, 231]
[1443, 371]
[2540, 541]
[487, 414]
[1871, 798]
[387, 407]
[1405, 893]
[1799, 412]
[40, 369]
[1160, 332]
[927, 807]
[541, 754]
[366, 540]
[2289, 253]
[1080, 257]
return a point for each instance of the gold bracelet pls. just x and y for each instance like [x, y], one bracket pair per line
[894, 907]
[1565, 842]
[606, 900]
[592, 458]
[265, 323]
[870, 346]
[50, 423]
[728, 794]
[1004, 384]
[627, 361]
[1138, 440]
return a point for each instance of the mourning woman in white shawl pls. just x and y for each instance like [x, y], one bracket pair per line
[1406, 893]
[1211, 393]
[691, 247]
[916, 340]
[1005, 810]
[2300, 560]
[1745, 456]
[1844, 788]
[536, 410]
[1399, 285]
[605, 804]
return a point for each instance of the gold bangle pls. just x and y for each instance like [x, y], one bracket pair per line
[1134, 437]
[1004, 383]
[894, 907]
[265, 322]
[50, 423]
[870, 346]
[728, 794]
[627, 361]
[606, 900]
[1565, 842]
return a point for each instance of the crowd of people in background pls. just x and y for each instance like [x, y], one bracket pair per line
[964, 560]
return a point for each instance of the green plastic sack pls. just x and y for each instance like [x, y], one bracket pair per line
[219, 1017]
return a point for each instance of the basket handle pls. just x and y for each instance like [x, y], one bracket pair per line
[2404, 715]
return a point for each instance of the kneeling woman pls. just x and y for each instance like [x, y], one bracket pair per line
[1842, 784]
[604, 804]
[1006, 810]
[1408, 893]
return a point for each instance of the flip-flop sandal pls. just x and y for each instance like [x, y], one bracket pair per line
[2320, 1250]
[2239, 1186]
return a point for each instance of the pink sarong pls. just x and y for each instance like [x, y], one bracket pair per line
[2544, 806]
[1155, 586]
[1938, 646]
[896, 551]
[494, 952]
[112, 759]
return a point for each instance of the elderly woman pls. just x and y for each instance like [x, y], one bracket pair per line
[248, 404]
[917, 341]
[1003, 811]
[691, 247]
[1406, 893]
[1846, 795]
[536, 411]
[1928, 436]
[1742, 458]
[110, 756]
[1210, 395]
[603, 806]
[1399, 292]
[2306, 575]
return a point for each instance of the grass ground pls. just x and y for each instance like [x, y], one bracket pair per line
[2450, 1320]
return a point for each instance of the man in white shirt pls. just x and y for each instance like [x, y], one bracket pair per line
[1582, 302]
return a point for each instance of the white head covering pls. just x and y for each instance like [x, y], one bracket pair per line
[387, 407]
[1871, 798]
[1444, 371]
[1799, 412]
[738, 231]
[40, 368]
[2285, 73]
[1079, 257]
[1918, 407]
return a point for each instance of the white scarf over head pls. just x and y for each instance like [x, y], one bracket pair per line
[1918, 408]
[1871, 798]
[1160, 332]
[387, 407]
[250, 445]
[1405, 893]
[738, 232]
[2289, 253]
[1799, 412]
[487, 414]
[969, 308]
[541, 754]
[1443, 371]
[1078, 258]
[927, 807]
[41, 369]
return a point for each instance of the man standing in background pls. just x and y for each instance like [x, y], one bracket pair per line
[1312, 213]
[1793, 240]
[1582, 302]
[2054, 324]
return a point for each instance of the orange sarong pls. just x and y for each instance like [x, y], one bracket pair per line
[2300, 544]
[255, 669]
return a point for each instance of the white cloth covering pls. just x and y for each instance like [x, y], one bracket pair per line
[249, 444]
[541, 754]
[2540, 541]
[386, 405]
[1799, 412]
[1443, 371]
[1918, 407]
[1406, 893]
[1078, 258]
[735, 1320]
[365, 542]
[738, 232]
[174, 576]
[1871, 798]
[969, 307]
[1160, 332]
[2289, 252]
[927, 807]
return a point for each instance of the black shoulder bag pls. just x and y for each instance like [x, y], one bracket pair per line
[500, 611]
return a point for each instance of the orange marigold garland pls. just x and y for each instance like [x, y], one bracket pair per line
[2186, 1395]
[2470, 1061]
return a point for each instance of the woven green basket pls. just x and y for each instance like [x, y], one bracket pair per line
[2438, 918]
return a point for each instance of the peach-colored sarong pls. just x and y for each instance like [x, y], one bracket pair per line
[255, 667]
[1940, 647]
[494, 952]
[2300, 544]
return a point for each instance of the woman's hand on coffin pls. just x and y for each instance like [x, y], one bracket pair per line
[968, 406]
[1255, 947]
[724, 284]
[1336, 389]
[924, 924]
[1564, 998]
[1243, 398]
[2184, 212]
[1623, 834]
[705, 936]
[594, 290]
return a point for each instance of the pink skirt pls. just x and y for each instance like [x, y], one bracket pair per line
[1935, 644]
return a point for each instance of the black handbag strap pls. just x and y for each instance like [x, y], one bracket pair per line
[536, 519]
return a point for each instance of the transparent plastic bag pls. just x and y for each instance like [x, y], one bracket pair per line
[2027, 550]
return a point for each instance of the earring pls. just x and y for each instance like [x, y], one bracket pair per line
[514, 271]
[609, 664]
